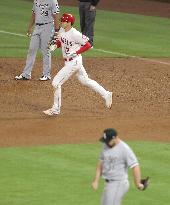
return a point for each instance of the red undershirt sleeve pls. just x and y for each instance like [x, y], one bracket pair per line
[84, 48]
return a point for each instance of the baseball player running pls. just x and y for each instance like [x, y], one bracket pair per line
[73, 43]
[115, 159]
[45, 16]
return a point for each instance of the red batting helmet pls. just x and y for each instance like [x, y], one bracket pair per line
[68, 18]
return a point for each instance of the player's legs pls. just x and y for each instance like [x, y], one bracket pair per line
[57, 99]
[62, 76]
[82, 16]
[92, 84]
[121, 191]
[45, 35]
[55, 110]
[114, 192]
[85, 80]
[89, 23]
[32, 51]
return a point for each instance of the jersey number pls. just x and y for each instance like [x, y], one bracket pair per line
[66, 49]
[45, 13]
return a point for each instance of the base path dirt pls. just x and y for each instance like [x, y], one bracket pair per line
[141, 103]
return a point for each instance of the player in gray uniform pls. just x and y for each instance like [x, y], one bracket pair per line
[115, 159]
[45, 16]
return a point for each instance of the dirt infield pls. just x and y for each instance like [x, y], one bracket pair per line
[141, 102]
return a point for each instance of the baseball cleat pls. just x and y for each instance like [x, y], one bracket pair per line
[21, 77]
[44, 78]
[51, 112]
[109, 100]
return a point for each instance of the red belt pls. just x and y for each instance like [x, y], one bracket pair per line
[68, 59]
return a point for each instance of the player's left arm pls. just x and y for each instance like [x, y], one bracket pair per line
[94, 2]
[84, 48]
[132, 162]
[55, 14]
[93, 5]
[137, 177]
[54, 43]
[81, 40]
[56, 18]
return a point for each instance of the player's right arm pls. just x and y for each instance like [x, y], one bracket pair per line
[31, 24]
[95, 182]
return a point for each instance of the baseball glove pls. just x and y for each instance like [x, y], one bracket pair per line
[145, 182]
[53, 39]
[52, 43]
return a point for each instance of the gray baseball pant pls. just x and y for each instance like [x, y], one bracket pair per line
[39, 40]
[114, 192]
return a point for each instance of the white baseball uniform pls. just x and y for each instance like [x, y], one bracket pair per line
[71, 41]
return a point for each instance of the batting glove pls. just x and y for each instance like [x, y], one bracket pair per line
[71, 54]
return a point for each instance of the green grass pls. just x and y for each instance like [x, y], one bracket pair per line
[62, 174]
[144, 36]
[134, 34]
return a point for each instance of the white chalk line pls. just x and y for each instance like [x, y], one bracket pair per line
[14, 34]
[104, 51]
[126, 55]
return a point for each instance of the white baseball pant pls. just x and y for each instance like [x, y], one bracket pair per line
[74, 67]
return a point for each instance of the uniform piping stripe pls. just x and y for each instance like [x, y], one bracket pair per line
[104, 51]
[134, 164]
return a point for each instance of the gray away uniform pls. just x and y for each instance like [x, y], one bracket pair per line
[44, 29]
[116, 162]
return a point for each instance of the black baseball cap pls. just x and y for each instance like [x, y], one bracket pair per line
[108, 134]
